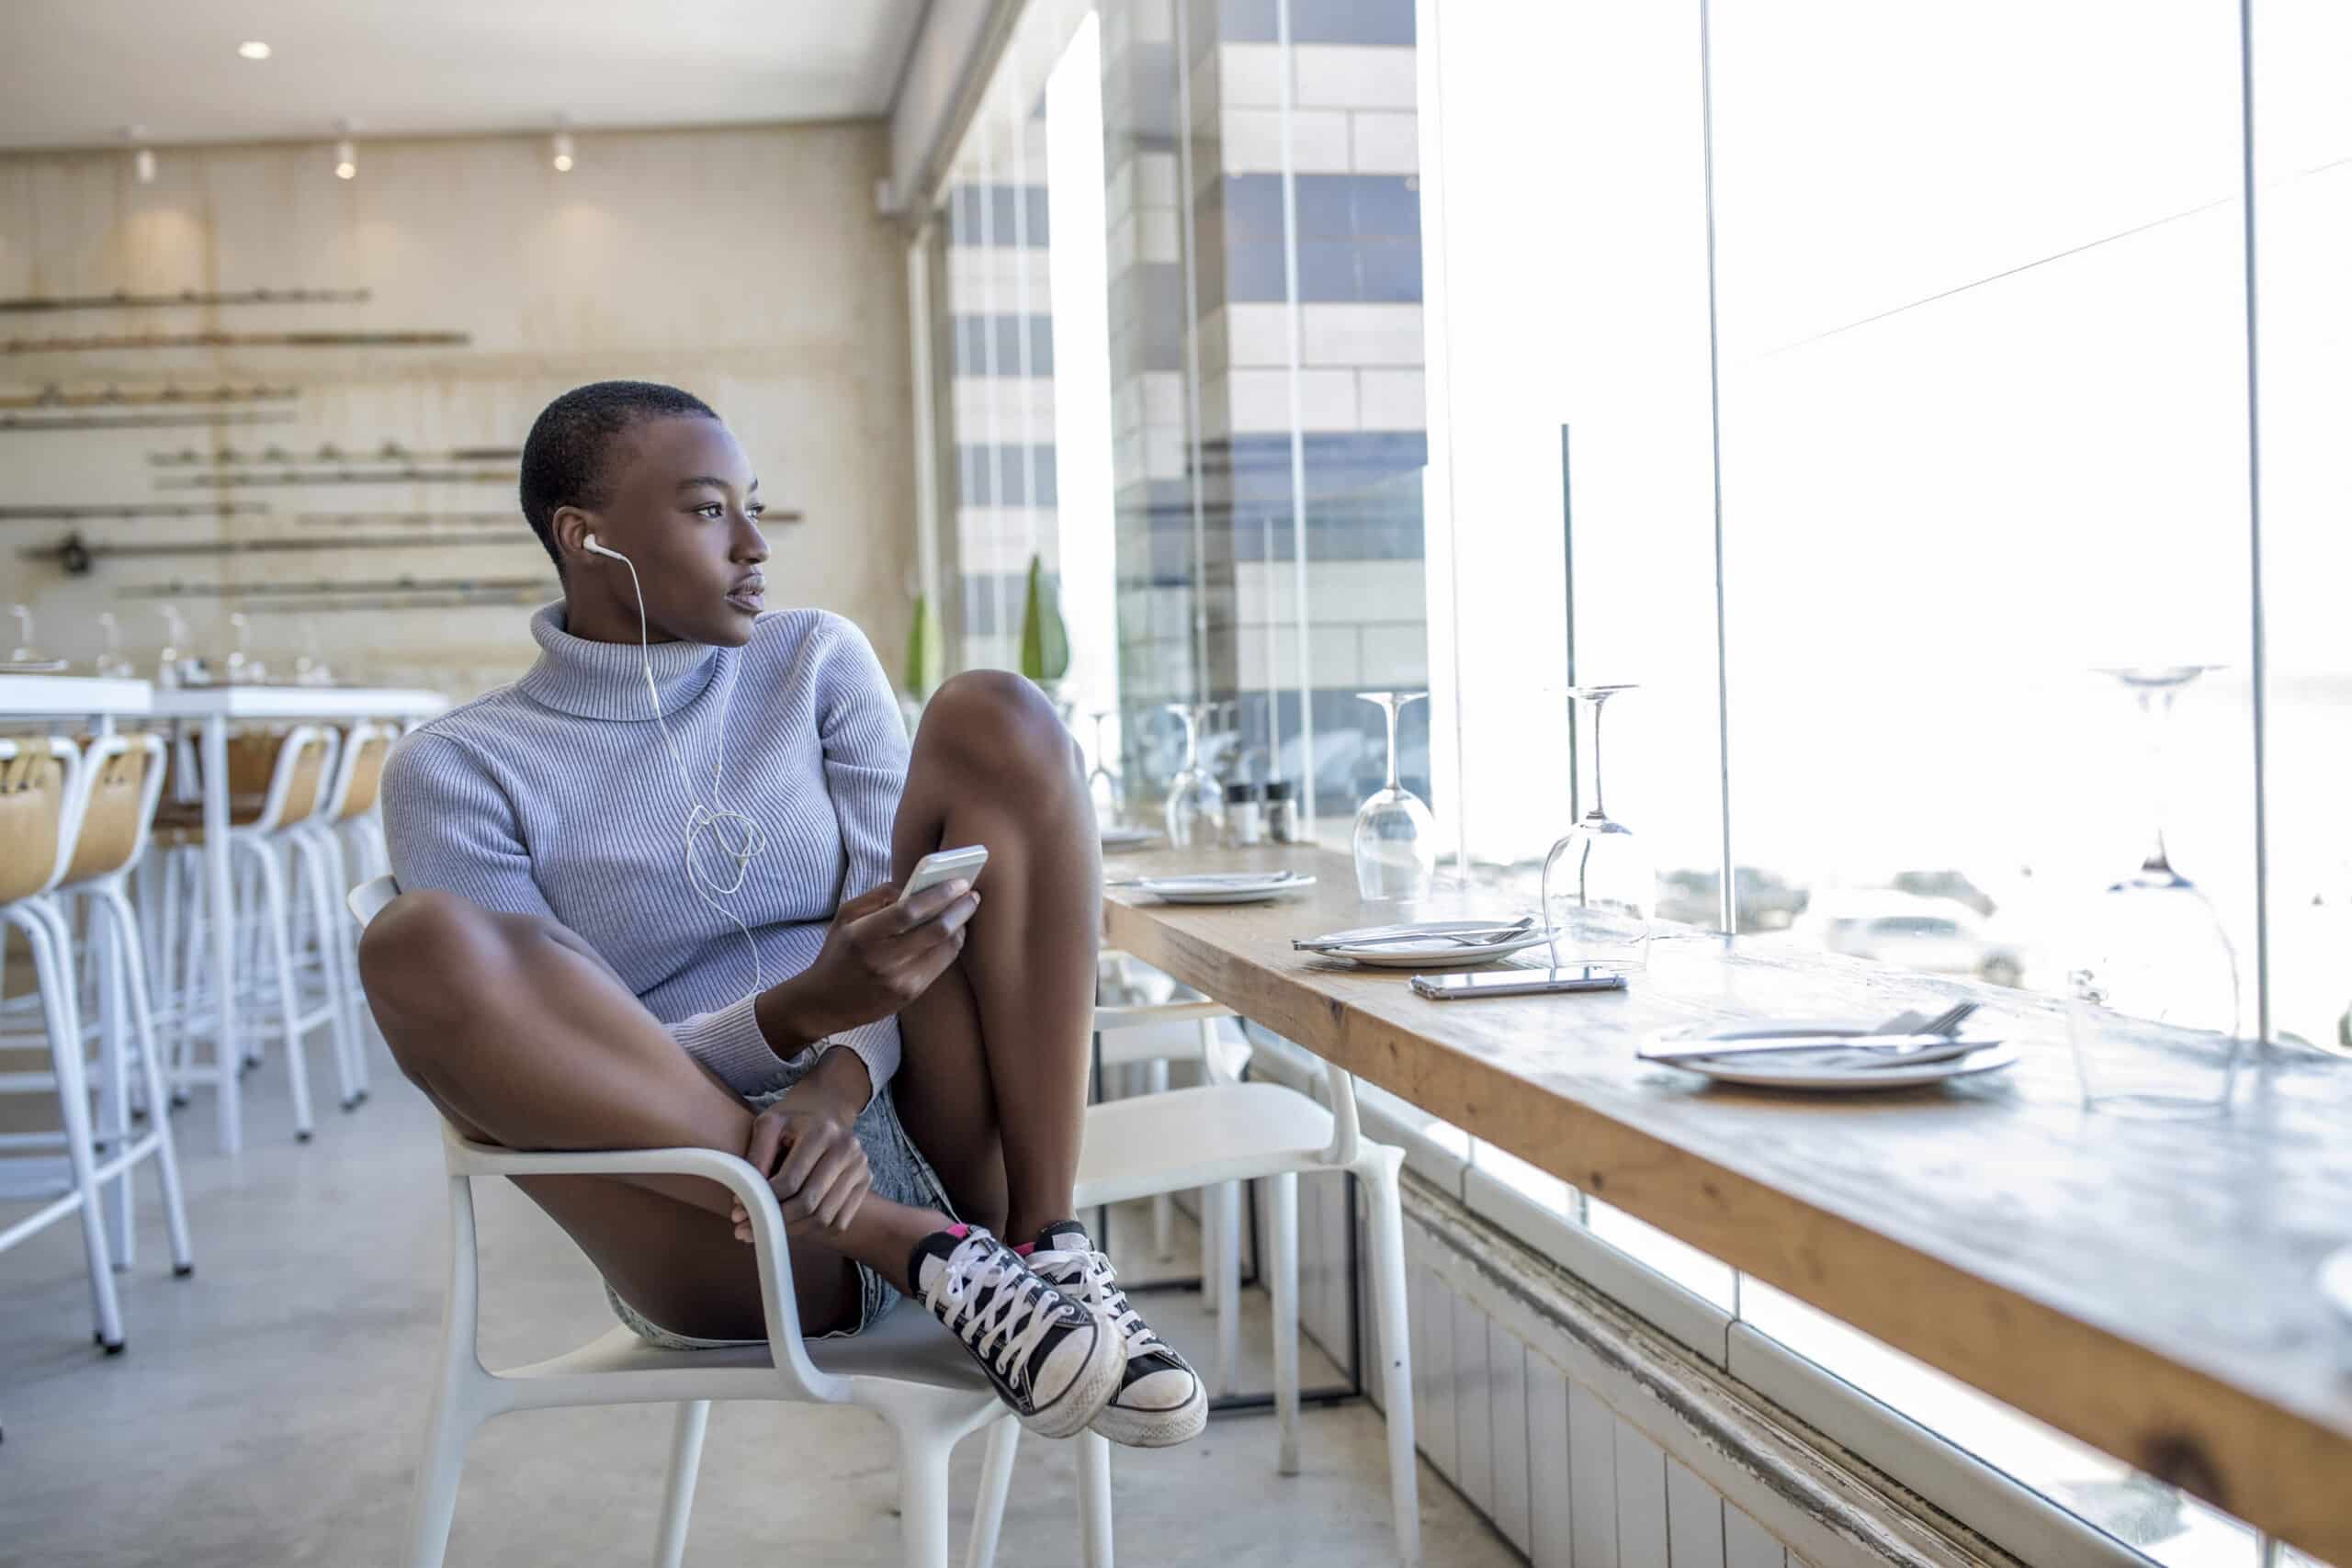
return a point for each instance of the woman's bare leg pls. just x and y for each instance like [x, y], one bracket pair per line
[525, 1038]
[994, 1087]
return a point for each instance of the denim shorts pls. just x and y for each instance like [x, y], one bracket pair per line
[898, 1172]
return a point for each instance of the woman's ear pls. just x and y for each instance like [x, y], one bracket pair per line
[572, 528]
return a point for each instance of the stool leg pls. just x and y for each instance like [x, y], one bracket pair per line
[1385, 1228]
[1094, 1498]
[54, 966]
[124, 925]
[1283, 1200]
[114, 1053]
[312, 863]
[1227, 1197]
[1163, 1207]
[274, 920]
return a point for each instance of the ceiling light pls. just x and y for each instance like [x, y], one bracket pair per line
[346, 160]
[253, 49]
[143, 163]
[560, 144]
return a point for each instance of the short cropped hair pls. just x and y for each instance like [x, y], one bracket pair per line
[564, 459]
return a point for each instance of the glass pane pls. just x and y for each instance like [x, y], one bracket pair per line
[1983, 428]
[1571, 381]
[2304, 214]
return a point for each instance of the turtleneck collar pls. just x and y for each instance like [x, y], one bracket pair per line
[606, 680]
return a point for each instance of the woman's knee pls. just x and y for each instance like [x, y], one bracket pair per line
[426, 960]
[995, 720]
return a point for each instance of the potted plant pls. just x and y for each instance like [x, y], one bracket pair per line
[1045, 641]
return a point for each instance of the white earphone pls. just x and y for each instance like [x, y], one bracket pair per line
[740, 837]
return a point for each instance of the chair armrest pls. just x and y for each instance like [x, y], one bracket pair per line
[773, 1255]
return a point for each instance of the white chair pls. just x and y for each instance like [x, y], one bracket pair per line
[122, 777]
[1226, 1133]
[41, 797]
[277, 783]
[907, 1370]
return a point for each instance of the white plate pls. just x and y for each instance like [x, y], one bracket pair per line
[1765, 1072]
[1226, 886]
[1427, 956]
[1127, 838]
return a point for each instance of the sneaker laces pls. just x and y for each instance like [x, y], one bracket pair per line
[1100, 1281]
[1018, 1311]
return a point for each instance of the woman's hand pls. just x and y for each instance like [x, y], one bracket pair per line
[805, 1144]
[878, 956]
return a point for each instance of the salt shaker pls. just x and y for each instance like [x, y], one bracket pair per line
[1282, 812]
[1245, 820]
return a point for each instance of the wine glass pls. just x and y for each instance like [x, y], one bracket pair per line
[1103, 781]
[2153, 996]
[1395, 838]
[1196, 802]
[1598, 884]
[24, 653]
[112, 663]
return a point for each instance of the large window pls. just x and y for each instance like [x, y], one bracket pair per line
[1857, 380]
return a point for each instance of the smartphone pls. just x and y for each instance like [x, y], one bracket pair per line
[945, 865]
[1518, 982]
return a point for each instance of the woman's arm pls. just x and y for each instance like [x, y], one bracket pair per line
[447, 825]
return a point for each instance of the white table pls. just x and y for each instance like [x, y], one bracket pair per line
[73, 696]
[214, 707]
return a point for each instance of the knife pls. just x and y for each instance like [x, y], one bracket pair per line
[1876, 1050]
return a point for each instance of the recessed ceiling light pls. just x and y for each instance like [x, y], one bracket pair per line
[253, 49]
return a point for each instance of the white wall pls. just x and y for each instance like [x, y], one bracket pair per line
[746, 264]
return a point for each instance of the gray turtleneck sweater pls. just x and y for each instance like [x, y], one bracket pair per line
[555, 796]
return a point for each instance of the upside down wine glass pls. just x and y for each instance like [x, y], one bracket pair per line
[1195, 803]
[2153, 994]
[1598, 884]
[1102, 781]
[1395, 838]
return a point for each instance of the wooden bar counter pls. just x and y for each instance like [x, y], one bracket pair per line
[2147, 1287]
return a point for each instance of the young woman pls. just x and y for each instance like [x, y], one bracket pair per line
[649, 899]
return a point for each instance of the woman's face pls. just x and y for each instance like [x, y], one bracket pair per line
[683, 505]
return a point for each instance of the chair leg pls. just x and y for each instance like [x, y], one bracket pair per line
[923, 1490]
[55, 970]
[996, 1481]
[310, 864]
[274, 920]
[1283, 1200]
[114, 1057]
[678, 1495]
[1385, 1227]
[347, 956]
[124, 925]
[1094, 1499]
[1227, 1197]
[1163, 1207]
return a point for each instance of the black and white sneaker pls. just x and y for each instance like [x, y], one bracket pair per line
[1161, 1401]
[1054, 1360]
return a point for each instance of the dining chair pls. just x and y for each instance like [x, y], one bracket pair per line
[907, 1370]
[40, 797]
[122, 778]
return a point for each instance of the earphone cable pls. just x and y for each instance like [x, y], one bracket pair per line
[750, 841]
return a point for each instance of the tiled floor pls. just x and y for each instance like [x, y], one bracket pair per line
[267, 1409]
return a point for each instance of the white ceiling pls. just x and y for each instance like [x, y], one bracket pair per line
[74, 72]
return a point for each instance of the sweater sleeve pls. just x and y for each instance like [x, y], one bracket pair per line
[866, 756]
[447, 825]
